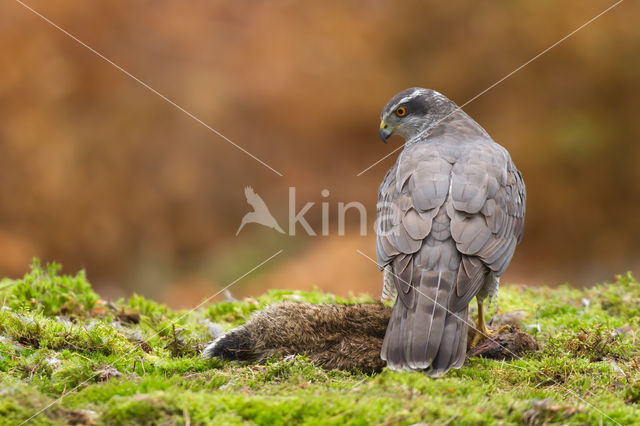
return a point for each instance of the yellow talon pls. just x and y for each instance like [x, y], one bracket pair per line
[483, 332]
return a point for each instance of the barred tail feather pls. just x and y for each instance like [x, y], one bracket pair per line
[453, 348]
[426, 336]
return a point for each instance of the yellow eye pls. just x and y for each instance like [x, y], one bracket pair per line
[401, 112]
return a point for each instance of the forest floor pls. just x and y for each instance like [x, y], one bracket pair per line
[69, 357]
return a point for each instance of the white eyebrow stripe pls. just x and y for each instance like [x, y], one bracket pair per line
[405, 99]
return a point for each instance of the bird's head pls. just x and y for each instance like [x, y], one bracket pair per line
[412, 111]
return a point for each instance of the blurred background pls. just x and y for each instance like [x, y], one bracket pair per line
[97, 172]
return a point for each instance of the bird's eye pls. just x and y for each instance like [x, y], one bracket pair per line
[401, 112]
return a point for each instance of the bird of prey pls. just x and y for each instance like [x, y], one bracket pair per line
[450, 214]
[260, 213]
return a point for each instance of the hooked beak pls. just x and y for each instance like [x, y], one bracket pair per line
[385, 131]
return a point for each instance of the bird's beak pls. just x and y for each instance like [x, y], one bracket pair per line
[385, 131]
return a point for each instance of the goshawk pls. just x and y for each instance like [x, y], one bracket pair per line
[450, 214]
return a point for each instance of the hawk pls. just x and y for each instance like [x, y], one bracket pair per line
[450, 214]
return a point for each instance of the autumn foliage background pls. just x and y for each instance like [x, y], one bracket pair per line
[98, 172]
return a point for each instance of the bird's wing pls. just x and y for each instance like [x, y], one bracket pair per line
[411, 195]
[249, 193]
[488, 208]
[254, 199]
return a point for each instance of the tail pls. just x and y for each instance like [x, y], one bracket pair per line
[235, 346]
[345, 337]
[424, 335]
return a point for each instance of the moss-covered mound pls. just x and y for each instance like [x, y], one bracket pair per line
[66, 356]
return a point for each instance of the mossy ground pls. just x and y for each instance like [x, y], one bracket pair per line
[135, 361]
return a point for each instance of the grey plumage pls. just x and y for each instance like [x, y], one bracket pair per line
[389, 291]
[450, 214]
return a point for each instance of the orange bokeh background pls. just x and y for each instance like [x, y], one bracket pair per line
[98, 172]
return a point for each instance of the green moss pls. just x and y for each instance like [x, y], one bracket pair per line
[137, 362]
[44, 290]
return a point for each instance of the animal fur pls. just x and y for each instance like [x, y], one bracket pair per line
[334, 336]
[345, 337]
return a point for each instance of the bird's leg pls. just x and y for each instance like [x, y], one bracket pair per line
[482, 331]
[481, 326]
